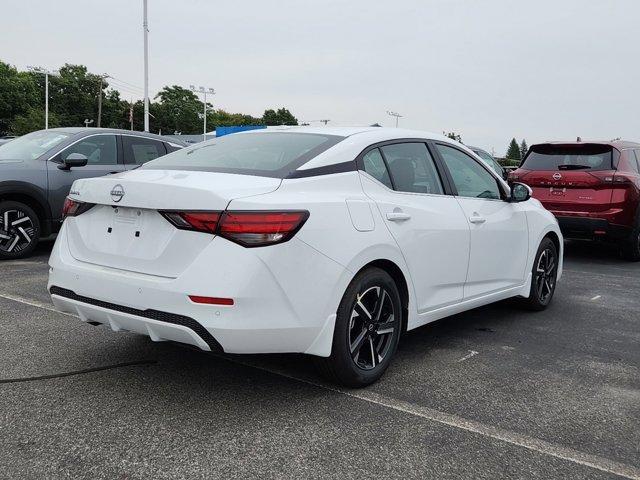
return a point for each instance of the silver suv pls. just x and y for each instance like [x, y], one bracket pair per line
[37, 170]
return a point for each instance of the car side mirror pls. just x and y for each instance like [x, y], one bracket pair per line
[520, 192]
[73, 160]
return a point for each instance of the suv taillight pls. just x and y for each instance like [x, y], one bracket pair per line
[73, 208]
[249, 229]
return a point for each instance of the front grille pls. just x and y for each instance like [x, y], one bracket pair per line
[165, 317]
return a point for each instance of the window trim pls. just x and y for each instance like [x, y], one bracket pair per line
[444, 181]
[55, 158]
[504, 194]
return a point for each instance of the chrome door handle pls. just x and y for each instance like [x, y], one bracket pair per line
[398, 216]
[477, 219]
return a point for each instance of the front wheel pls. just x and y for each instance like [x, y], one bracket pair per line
[544, 276]
[19, 230]
[367, 330]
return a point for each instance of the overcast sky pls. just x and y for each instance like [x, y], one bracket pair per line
[489, 70]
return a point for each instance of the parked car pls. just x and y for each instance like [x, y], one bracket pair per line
[593, 188]
[326, 241]
[489, 160]
[37, 170]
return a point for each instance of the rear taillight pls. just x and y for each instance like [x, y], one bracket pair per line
[73, 208]
[257, 229]
[249, 229]
[605, 176]
[206, 222]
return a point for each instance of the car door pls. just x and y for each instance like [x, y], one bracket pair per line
[499, 231]
[140, 150]
[103, 158]
[427, 224]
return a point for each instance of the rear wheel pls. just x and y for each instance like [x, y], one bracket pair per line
[367, 330]
[631, 246]
[544, 275]
[19, 230]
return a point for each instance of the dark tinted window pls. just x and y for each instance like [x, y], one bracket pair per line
[569, 157]
[412, 168]
[469, 177]
[265, 154]
[374, 166]
[139, 150]
[99, 150]
[172, 147]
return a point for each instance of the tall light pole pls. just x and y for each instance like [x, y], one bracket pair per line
[102, 77]
[204, 91]
[394, 114]
[46, 73]
[145, 28]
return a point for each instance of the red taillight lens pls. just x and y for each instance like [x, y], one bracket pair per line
[211, 300]
[206, 222]
[258, 229]
[249, 229]
[73, 208]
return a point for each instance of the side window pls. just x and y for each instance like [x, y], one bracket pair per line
[634, 160]
[99, 150]
[412, 168]
[469, 178]
[374, 166]
[139, 150]
[171, 147]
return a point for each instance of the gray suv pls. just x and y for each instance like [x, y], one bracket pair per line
[37, 170]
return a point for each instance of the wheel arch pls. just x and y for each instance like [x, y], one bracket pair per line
[30, 196]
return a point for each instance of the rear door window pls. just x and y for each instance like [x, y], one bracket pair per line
[412, 168]
[569, 157]
[140, 150]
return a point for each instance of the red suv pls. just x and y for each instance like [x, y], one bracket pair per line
[593, 188]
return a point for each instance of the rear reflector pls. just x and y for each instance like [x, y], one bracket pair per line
[73, 208]
[211, 300]
[246, 228]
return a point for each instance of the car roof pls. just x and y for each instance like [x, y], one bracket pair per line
[94, 130]
[619, 144]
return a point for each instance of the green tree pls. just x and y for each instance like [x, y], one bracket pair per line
[31, 120]
[177, 110]
[17, 96]
[523, 148]
[280, 117]
[453, 136]
[513, 152]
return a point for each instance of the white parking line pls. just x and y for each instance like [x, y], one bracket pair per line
[513, 438]
[596, 297]
[468, 356]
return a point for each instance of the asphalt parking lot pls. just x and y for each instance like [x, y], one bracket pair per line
[491, 393]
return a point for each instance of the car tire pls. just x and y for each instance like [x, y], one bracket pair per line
[544, 276]
[19, 238]
[367, 330]
[631, 246]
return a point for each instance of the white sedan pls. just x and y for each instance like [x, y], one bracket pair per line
[326, 241]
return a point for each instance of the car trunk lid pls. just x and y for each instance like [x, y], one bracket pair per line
[124, 230]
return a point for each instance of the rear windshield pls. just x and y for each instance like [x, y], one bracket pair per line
[569, 157]
[264, 154]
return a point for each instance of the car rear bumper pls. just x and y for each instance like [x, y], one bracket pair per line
[581, 227]
[272, 313]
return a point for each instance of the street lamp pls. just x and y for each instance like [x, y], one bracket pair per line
[394, 114]
[46, 73]
[204, 91]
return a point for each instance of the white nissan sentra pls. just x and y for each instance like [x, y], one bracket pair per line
[326, 241]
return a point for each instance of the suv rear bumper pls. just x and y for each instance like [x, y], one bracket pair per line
[589, 228]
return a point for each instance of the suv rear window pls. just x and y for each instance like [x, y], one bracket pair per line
[263, 154]
[588, 156]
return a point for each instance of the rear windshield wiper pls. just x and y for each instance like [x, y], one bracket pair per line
[572, 166]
